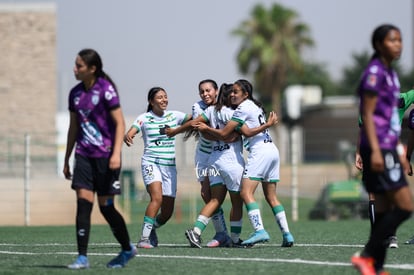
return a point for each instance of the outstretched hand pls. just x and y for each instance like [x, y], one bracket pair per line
[272, 119]
[128, 139]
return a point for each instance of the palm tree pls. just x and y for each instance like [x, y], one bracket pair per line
[271, 47]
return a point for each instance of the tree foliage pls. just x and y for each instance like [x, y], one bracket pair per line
[272, 42]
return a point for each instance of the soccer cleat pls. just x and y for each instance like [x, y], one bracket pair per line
[393, 242]
[193, 238]
[365, 265]
[123, 257]
[153, 238]
[259, 236]
[145, 243]
[221, 239]
[81, 262]
[287, 240]
[410, 241]
[239, 244]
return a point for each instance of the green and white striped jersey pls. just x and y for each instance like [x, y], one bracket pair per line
[158, 147]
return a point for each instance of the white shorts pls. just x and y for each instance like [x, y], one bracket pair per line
[227, 171]
[264, 164]
[201, 165]
[167, 175]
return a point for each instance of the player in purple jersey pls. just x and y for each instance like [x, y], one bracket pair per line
[382, 155]
[96, 128]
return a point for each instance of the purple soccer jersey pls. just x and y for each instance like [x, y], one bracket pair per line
[384, 83]
[96, 128]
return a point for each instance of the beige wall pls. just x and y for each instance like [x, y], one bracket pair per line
[28, 72]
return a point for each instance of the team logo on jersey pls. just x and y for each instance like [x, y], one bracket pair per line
[76, 100]
[95, 99]
[373, 69]
[108, 95]
[372, 80]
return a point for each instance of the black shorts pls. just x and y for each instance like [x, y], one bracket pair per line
[94, 174]
[392, 178]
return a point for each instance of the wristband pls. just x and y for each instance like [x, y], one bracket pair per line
[400, 149]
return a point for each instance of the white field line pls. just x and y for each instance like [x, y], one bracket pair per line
[273, 260]
[178, 245]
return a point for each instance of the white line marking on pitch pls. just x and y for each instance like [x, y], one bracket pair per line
[273, 260]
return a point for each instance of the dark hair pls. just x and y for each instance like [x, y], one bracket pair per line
[214, 83]
[222, 99]
[92, 58]
[247, 87]
[151, 94]
[378, 37]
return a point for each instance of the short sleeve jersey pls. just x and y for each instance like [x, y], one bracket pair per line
[383, 82]
[253, 116]
[158, 147]
[203, 145]
[218, 120]
[96, 127]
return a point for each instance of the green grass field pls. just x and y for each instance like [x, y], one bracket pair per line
[321, 248]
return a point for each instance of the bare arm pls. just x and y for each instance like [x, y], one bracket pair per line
[70, 143]
[170, 132]
[118, 118]
[129, 136]
[221, 134]
[370, 102]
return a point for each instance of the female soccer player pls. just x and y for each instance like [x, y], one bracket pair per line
[262, 162]
[97, 127]
[225, 172]
[383, 159]
[157, 162]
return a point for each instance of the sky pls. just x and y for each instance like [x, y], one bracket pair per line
[175, 44]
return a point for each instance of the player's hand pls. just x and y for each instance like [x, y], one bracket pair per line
[200, 126]
[66, 171]
[128, 139]
[377, 161]
[272, 119]
[358, 161]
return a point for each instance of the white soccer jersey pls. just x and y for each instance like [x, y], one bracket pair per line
[218, 120]
[203, 145]
[158, 147]
[263, 160]
[253, 116]
[227, 162]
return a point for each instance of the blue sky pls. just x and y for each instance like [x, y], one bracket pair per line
[175, 44]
